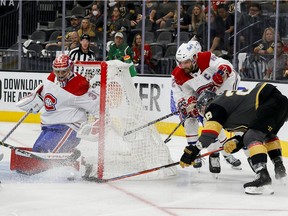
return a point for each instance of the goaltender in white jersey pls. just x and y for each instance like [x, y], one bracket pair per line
[196, 72]
[66, 98]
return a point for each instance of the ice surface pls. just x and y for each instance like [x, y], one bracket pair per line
[189, 193]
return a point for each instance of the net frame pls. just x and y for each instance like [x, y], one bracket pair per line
[90, 75]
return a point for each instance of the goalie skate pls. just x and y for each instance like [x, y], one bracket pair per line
[234, 162]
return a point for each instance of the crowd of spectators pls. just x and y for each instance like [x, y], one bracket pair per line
[255, 30]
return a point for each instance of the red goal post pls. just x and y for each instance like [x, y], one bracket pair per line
[121, 110]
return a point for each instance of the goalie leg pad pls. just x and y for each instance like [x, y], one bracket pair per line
[31, 166]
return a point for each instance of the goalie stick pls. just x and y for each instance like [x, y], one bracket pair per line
[42, 156]
[93, 179]
[14, 128]
[150, 123]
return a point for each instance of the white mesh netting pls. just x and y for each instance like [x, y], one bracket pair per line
[115, 154]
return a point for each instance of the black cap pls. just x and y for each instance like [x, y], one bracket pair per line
[85, 36]
[74, 17]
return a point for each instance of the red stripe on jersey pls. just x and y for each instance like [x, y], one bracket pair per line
[272, 140]
[192, 135]
[210, 132]
[77, 86]
[63, 140]
[203, 87]
[180, 76]
[254, 144]
[203, 60]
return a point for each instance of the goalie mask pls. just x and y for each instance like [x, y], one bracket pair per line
[205, 98]
[188, 52]
[63, 69]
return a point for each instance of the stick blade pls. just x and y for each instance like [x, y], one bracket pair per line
[93, 179]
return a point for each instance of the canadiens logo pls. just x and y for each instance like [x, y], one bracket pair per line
[50, 101]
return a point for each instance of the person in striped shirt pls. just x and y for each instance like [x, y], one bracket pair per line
[82, 52]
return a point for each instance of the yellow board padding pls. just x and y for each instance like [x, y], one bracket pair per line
[162, 127]
[6, 116]
[168, 127]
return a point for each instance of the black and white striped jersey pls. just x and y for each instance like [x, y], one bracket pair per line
[77, 54]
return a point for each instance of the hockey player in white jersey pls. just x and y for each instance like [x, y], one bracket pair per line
[197, 71]
[66, 98]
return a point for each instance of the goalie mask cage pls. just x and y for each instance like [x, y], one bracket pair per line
[121, 110]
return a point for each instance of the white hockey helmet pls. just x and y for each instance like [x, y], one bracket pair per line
[195, 44]
[188, 51]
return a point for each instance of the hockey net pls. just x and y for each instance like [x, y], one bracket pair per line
[121, 110]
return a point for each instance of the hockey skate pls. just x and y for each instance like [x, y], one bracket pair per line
[250, 164]
[234, 162]
[197, 163]
[261, 184]
[88, 171]
[214, 164]
[280, 171]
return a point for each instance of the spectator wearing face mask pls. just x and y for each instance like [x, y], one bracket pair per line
[96, 18]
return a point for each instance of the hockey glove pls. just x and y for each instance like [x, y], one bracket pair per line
[32, 101]
[188, 108]
[234, 144]
[191, 107]
[190, 154]
[221, 75]
[182, 104]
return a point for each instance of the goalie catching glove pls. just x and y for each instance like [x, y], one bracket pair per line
[234, 144]
[190, 154]
[33, 101]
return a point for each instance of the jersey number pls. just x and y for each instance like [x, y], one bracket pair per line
[238, 92]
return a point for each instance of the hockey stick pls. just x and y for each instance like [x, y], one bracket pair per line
[37, 155]
[150, 123]
[14, 128]
[175, 129]
[181, 123]
[148, 170]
